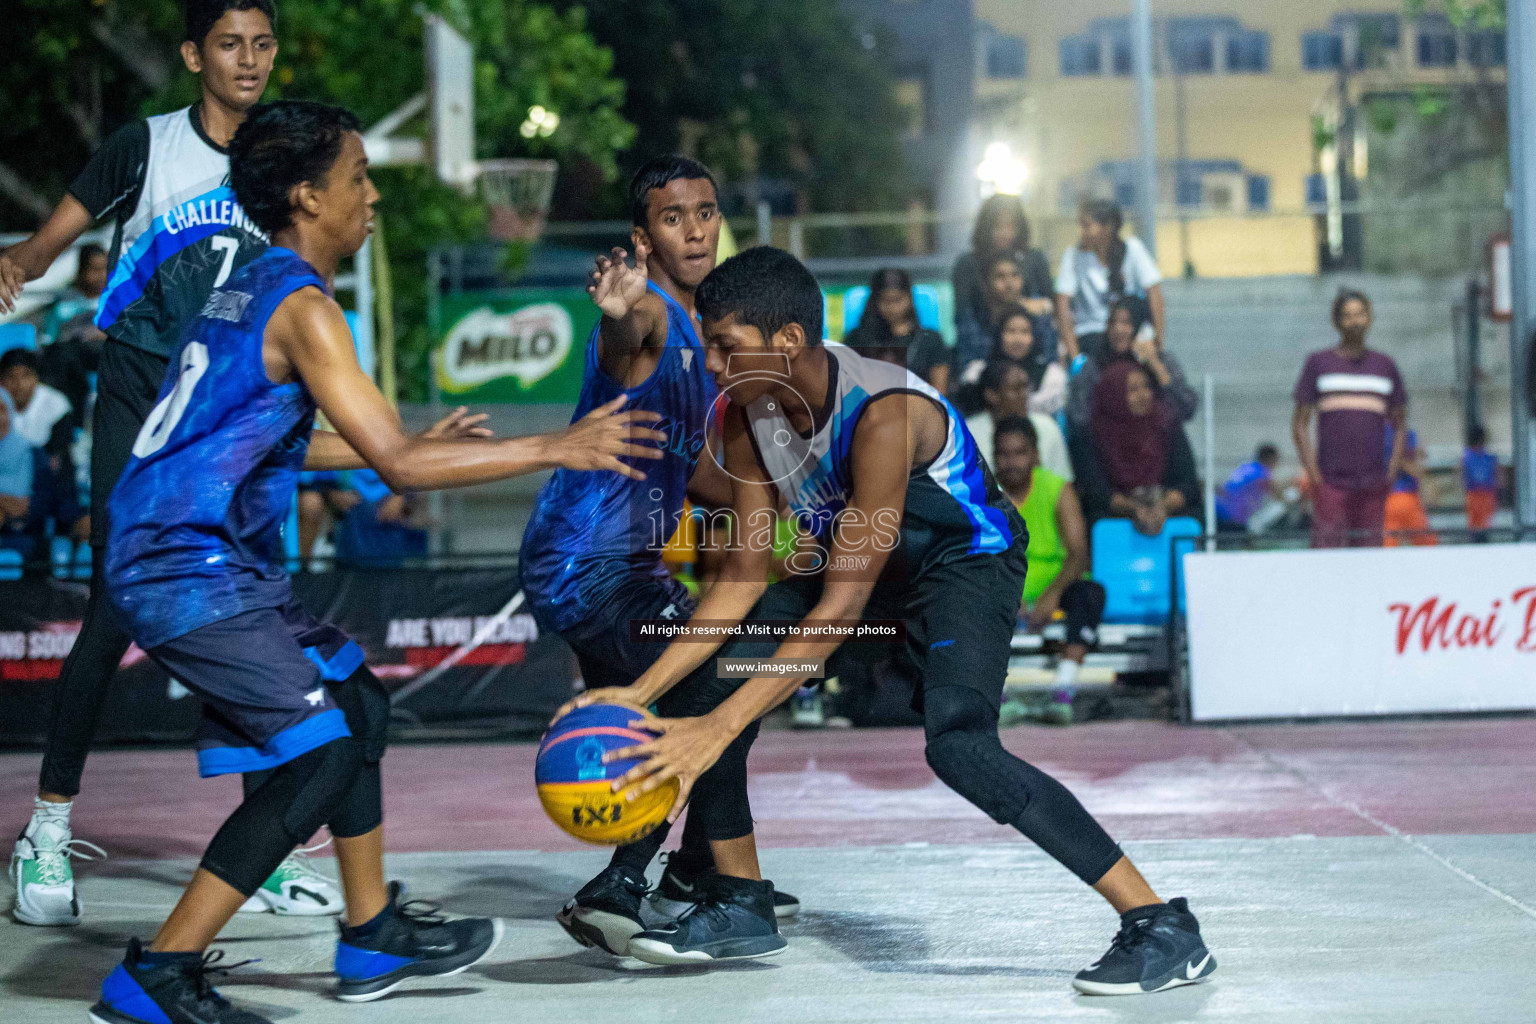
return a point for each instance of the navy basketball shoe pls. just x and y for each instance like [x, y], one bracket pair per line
[734, 920]
[606, 911]
[679, 887]
[172, 989]
[408, 940]
[1157, 948]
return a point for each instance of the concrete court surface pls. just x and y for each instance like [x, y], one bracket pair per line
[1372, 871]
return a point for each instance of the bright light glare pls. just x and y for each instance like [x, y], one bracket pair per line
[1002, 170]
[541, 121]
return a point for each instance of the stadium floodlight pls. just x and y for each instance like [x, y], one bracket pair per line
[1003, 171]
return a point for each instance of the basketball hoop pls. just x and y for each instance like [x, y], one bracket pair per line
[517, 193]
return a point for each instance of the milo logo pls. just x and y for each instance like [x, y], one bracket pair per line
[528, 344]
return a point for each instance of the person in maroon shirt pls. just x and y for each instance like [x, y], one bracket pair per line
[1357, 395]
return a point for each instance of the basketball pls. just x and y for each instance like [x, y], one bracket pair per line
[574, 784]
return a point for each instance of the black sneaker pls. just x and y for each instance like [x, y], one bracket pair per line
[1157, 948]
[679, 888]
[177, 992]
[606, 911]
[733, 921]
[413, 941]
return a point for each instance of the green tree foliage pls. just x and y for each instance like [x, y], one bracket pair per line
[363, 54]
[780, 88]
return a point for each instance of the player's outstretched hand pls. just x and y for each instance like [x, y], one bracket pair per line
[458, 425]
[615, 286]
[686, 749]
[624, 695]
[598, 439]
[12, 280]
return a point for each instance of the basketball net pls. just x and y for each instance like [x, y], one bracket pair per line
[517, 195]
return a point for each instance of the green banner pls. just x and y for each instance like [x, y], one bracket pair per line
[525, 345]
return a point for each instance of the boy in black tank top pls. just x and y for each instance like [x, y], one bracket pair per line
[878, 452]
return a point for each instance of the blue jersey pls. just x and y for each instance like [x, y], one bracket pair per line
[1479, 470]
[592, 532]
[197, 515]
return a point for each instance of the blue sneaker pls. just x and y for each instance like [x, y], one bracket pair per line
[734, 920]
[412, 941]
[176, 991]
[1158, 947]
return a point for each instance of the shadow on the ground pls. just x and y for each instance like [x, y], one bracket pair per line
[887, 944]
[519, 892]
[588, 966]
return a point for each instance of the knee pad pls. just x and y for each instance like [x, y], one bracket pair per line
[321, 791]
[365, 703]
[964, 752]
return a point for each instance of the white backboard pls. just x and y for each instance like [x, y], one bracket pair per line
[451, 86]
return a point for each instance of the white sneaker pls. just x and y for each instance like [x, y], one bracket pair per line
[297, 889]
[45, 884]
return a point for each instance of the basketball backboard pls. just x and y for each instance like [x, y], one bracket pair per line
[451, 91]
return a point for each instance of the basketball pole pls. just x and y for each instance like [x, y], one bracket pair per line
[1521, 50]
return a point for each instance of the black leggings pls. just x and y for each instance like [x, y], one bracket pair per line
[336, 784]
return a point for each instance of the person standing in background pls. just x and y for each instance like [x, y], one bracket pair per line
[1480, 479]
[1099, 270]
[1357, 395]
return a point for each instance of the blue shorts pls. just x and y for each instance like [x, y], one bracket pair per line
[261, 676]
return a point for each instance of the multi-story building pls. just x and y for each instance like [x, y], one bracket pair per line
[1261, 139]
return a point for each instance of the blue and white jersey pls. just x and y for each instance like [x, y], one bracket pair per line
[954, 507]
[593, 532]
[180, 233]
[197, 515]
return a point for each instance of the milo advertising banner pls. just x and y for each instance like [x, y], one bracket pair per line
[524, 345]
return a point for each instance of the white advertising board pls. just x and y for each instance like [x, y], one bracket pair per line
[1361, 632]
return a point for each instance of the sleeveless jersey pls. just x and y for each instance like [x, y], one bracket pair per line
[1046, 552]
[185, 237]
[197, 515]
[954, 507]
[590, 533]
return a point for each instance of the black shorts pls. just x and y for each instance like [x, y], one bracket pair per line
[959, 620]
[128, 382]
[1083, 604]
[607, 655]
[262, 676]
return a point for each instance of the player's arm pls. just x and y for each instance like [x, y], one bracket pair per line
[30, 259]
[633, 317]
[308, 337]
[742, 580]
[330, 452]
[884, 450]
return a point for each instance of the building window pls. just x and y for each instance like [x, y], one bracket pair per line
[1080, 55]
[1007, 57]
[1485, 48]
[1375, 31]
[1192, 53]
[1248, 53]
[1322, 51]
[1437, 42]
[1124, 56]
[1258, 193]
[1317, 190]
[1187, 190]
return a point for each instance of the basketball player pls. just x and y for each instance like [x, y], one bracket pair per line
[178, 234]
[195, 568]
[591, 555]
[884, 472]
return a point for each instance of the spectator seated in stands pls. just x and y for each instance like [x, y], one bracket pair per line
[977, 338]
[1247, 489]
[1005, 388]
[1001, 227]
[39, 408]
[80, 298]
[1128, 336]
[1016, 340]
[16, 466]
[1058, 554]
[889, 330]
[1405, 521]
[1480, 480]
[1101, 268]
[1134, 462]
[375, 527]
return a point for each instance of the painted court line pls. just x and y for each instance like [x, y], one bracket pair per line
[1412, 842]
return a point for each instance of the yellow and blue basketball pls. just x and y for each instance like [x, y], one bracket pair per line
[575, 786]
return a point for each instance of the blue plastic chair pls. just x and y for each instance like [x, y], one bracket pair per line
[1134, 569]
[10, 564]
[924, 300]
[17, 336]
